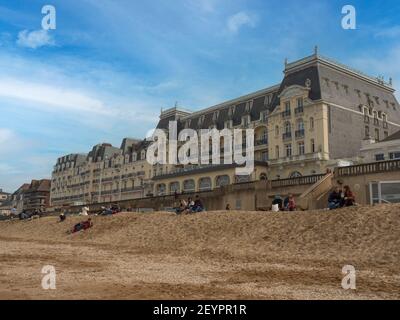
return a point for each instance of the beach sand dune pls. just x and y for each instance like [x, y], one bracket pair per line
[213, 255]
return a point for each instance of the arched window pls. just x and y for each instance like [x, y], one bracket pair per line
[189, 185]
[311, 123]
[242, 179]
[174, 187]
[263, 176]
[161, 189]
[222, 181]
[205, 184]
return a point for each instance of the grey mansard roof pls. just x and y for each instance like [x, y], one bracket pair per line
[329, 81]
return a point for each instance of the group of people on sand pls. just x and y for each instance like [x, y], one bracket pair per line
[26, 215]
[80, 226]
[286, 204]
[84, 225]
[338, 198]
[341, 198]
[190, 206]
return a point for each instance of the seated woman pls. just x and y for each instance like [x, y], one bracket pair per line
[349, 197]
[291, 203]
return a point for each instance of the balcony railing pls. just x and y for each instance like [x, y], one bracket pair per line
[299, 134]
[298, 158]
[261, 142]
[368, 168]
[287, 136]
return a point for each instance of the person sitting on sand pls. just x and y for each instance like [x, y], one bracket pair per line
[24, 215]
[190, 204]
[84, 211]
[349, 197]
[198, 205]
[278, 201]
[107, 212]
[84, 225]
[291, 206]
[182, 207]
[62, 217]
[335, 200]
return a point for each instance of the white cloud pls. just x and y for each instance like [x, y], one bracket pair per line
[5, 136]
[391, 32]
[47, 97]
[10, 142]
[34, 39]
[240, 20]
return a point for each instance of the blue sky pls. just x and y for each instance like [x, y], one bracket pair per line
[110, 66]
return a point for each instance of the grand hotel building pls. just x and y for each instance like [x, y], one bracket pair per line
[320, 113]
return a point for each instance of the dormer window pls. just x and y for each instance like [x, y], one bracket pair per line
[215, 116]
[245, 120]
[264, 116]
[249, 105]
[336, 85]
[267, 100]
[201, 120]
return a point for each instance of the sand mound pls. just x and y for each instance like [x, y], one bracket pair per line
[366, 237]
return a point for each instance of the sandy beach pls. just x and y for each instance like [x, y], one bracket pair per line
[213, 255]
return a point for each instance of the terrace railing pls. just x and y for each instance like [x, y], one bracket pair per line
[368, 168]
